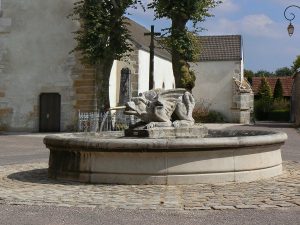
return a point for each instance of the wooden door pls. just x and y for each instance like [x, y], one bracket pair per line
[50, 112]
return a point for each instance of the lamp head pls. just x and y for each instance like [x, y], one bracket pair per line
[290, 29]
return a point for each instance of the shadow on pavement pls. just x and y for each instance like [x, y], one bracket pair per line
[38, 176]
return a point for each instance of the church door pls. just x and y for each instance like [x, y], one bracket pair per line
[50, 112]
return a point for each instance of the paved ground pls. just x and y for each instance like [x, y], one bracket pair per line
[27, 196]
[40, 215]
[22, 148]
[27, 184]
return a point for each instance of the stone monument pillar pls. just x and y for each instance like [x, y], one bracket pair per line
[125, 90]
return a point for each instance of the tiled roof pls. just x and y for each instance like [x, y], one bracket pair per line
[213, 48]
[287, 84]
[220, 48]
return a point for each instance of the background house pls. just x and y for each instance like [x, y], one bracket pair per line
[287, 84]
[220, 77]
[273, 110]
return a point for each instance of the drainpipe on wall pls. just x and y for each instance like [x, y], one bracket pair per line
[1, 12]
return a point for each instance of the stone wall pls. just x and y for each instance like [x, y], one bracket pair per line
[6, 111]
[84, 88]
[242, 108]
[35, 41]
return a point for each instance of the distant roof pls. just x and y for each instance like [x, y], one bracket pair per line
[220, 48]
[287, 84]
[137, 36]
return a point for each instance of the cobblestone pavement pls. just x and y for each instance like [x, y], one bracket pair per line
[27, 184]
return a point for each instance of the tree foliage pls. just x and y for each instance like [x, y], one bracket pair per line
[284, 71]
[278, 90]
[265, 100]
[103, 30]
[264, 73]
[296, 64]
[181, 41]
[249, 74]
[265, 89]
[102, 38]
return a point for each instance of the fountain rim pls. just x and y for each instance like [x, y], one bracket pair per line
[89, 143]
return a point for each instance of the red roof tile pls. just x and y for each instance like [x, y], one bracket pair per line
[287, 84]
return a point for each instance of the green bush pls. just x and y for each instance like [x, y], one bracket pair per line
[281, 104]
[261, 109]
[279, 110]
[279, 115]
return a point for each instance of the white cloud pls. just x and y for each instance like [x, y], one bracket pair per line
[260, 25]
[148, 14]
[227, 6]
[256, 25]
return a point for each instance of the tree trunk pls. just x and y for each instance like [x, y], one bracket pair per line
[103, 70]
[184, 78]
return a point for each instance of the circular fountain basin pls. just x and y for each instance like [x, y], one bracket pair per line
[223, 156]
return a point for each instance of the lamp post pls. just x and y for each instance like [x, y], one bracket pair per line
[291, 16]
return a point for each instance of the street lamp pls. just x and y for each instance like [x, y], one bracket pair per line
[291, 16]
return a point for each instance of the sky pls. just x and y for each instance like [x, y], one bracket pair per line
[266, 43]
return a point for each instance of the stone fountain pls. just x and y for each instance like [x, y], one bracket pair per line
[166, 147]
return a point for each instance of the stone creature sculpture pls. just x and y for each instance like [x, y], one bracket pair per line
[162, 108]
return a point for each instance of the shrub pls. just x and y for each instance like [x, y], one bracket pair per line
[279, 115]
[260, 111]
[265, 100]
[210, 117]
[281, 104]
[203, 114]
[214, 117]
[279, 110]
[278, 90]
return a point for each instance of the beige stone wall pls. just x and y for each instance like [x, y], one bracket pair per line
[84, 88]
[35, 41]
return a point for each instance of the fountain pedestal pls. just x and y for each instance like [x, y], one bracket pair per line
[195, 131]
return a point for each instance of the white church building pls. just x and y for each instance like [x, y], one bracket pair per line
[43, 86]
